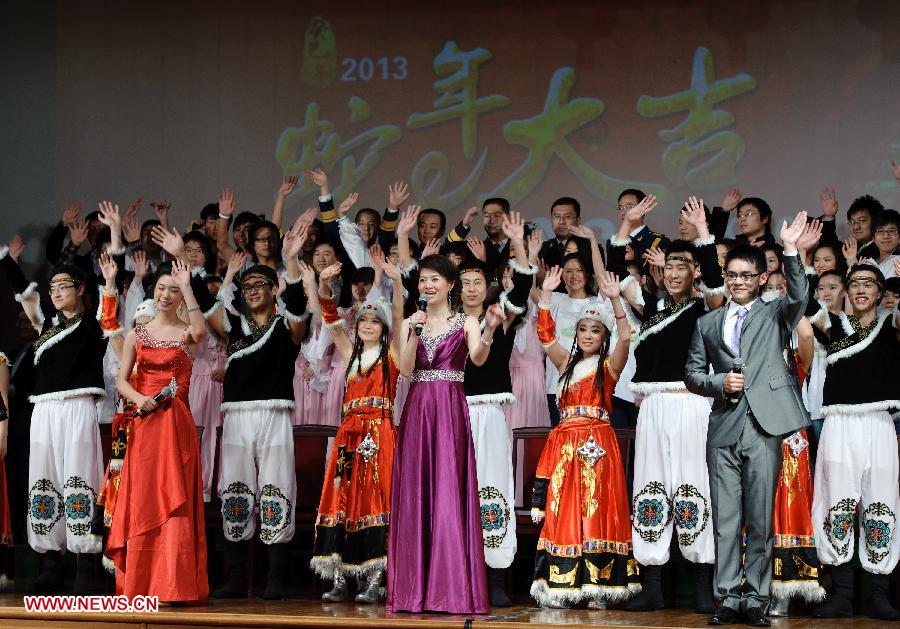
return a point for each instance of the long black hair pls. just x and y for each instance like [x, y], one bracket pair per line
[587, 269]
[576, 356]
[387, 387]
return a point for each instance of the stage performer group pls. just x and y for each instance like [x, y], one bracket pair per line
[760, 374]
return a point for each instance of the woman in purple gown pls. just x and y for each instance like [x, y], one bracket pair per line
[435, 549]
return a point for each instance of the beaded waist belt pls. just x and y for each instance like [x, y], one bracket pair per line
[590, 412]
[368, 402]
[437, 375]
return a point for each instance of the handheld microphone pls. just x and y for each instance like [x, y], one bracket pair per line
[737, 366]
[164, 394]
[423, 305]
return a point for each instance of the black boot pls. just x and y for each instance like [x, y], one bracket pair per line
[650, 597]
[235, 585]
[880, 607]
[497, 587]
[85, 569]
[840, 599]
[703, 589]
[275, 579]
[50, 580]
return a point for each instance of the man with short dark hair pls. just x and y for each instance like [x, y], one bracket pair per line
[565, 213]
[860, 215]
[756, 402]
[641, 237]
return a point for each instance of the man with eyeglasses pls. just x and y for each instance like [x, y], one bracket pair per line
[65, 463]
[860, 216]
[565, 213]
[886, 227]
[641, 238]
[257, 465]
[857, 466]
[756, 403]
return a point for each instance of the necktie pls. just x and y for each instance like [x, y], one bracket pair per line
[736, 334]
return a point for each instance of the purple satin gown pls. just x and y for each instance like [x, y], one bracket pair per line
[436, 546]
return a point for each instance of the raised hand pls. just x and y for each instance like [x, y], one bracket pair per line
[161, 209]
[535, 239]
[732, 198]
[306, 219]
[70, 214]
[391, 270]
[109, 215]
[294, 240]
[849, 248]
[307, 273]
[552, 279]
[376, 253]
[639, 211]
[236, 263]
[810, 236]
[131, 229]
[139, 260]
[16, 246]
[829, 202]
[470, 215]
[477, 248]
[791, 233]
[78, 231]
[609, 284]
[493, 316]
[398, 193]
[287, 186]
[582, 231]
[349, 202]
[408, 220]
[432, 247]
[226, 202]
[514, 226]
[133, 208]
[170, 241]
[656, 272]
[330, 272]
[655, 257]
[108, 268]
[896, 267]
[693, 212]
[181, 274]
[317, 177]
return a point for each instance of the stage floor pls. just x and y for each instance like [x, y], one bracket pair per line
[308, 613]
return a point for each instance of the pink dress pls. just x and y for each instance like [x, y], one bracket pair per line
[309, 395]
[205, 398]
[526, 367]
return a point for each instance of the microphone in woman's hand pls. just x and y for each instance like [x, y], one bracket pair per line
[423, 305]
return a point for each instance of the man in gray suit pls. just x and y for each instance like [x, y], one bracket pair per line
[751, 412]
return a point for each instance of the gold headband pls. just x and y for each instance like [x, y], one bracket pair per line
[682, 259]
[864, 278]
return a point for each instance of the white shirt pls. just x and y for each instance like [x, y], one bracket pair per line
[887, 267]
[731, 321]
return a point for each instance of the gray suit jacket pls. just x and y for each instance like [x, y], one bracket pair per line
[769, 389]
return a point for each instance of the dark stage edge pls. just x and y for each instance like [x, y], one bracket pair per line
[307, 613]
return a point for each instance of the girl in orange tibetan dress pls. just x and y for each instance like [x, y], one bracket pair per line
[795, 569]
[157, 540]
[584, 551]
[354, 510]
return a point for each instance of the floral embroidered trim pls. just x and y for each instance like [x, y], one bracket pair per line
[859, 340]
[62, 327]
[589, 546]
[368, 402]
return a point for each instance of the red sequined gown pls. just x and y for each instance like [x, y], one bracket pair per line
[157, 540]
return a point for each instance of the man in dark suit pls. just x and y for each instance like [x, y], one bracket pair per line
[642, 237]
[564, 214]
[753, 408]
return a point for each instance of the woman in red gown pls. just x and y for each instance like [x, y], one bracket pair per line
[157, 541]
